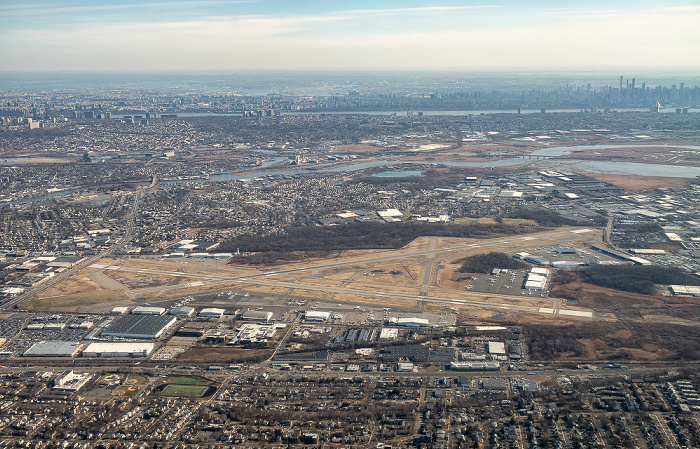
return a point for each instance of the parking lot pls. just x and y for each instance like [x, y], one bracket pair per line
[507, 282]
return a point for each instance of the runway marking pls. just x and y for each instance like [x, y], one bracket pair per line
[575, 313]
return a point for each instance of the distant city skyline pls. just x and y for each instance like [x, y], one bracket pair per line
[212, 35]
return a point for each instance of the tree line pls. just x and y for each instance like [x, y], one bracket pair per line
[485, 263]
[636, 278]
[371, 235]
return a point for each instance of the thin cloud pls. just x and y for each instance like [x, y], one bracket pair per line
[353, 13]
[686, 8]
[427, 37]
[43, 9]
[419, 10]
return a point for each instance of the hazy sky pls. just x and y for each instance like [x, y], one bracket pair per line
[128, 35]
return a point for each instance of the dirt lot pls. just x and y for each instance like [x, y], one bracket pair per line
[624, 304]
[637, 182]
[224, 355]
[76, 302]
[80, 283]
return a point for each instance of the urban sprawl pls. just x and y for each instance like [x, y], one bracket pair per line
[193, 270]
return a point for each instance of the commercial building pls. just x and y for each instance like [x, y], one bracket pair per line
[252, 333]
[139, 326]
[475, 366]
[536, 279]
[494, 383]
[54, 349]
[71, 381]
[104, 350]
[142, 310]
[536, 260]
[497, 348]
[564, 264]
[390, 215]
[692, 290]
[314, 315]
[389, 333]
[404, 367]
[256, 315]
[182, 311]
[211, 313]
[412, 322]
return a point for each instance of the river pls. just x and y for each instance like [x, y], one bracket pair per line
[552, 163]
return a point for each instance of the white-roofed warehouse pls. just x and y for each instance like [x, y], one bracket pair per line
[497, 347]
[143, 310]
[412, 322]
[211, 313]
[256, 315]
[314, 315]
[118, 350]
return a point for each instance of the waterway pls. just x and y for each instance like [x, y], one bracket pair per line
[552, 163]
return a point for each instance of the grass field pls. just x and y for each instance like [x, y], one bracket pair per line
[73, 303]
[136, 380]
[186, 381]
[185, 391]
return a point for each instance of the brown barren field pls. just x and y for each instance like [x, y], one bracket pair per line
[638, 182]
[224, 355]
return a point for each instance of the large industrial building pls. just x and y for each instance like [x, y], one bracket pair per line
[139, 326]
[497, 348]
[313, 315]
[118, 350]
[475, 366]
[54, 349]
[536, 279]
[143, 310]
[412, 322]
[211, 313]
[256, 315]
[182, 311]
